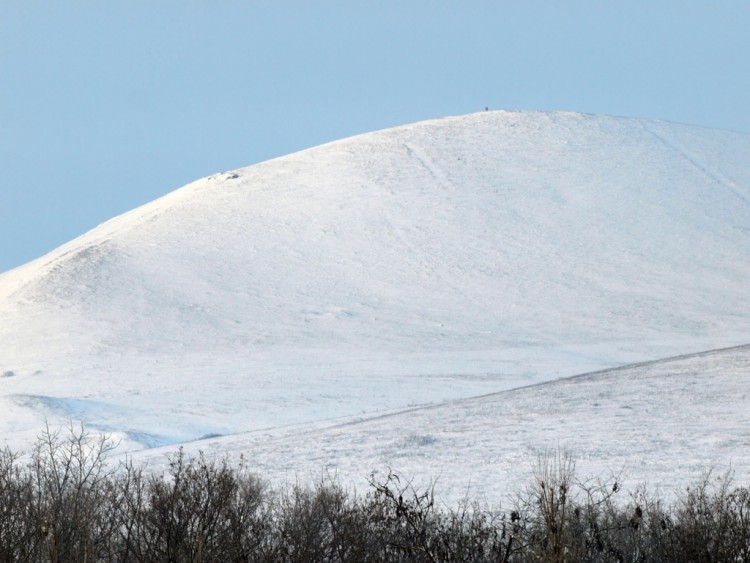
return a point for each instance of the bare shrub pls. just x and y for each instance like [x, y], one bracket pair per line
[72, 488]
[202, 511]
[18, 537]
[67, 504]
[410, 527]
[710, 522]
[321, 523]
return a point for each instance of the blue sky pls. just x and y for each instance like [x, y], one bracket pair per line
[106, 105]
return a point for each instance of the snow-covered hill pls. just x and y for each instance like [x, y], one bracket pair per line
[429, 262]
[664, 423]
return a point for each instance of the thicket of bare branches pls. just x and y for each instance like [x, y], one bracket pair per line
[64, 503]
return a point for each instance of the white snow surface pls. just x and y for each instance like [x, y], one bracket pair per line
[427, 263]
[664, 424]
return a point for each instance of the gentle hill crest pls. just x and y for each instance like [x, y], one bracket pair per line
[422, 263]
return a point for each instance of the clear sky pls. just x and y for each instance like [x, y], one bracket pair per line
[108, 104]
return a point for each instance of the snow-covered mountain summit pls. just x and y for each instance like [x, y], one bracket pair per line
[427, 262]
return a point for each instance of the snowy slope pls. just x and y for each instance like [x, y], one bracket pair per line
[663, 423]
[429, 262]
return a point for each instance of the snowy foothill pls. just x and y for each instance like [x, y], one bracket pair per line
[664, 424]
[429, 264]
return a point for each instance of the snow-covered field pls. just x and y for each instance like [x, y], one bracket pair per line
[427, 263]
